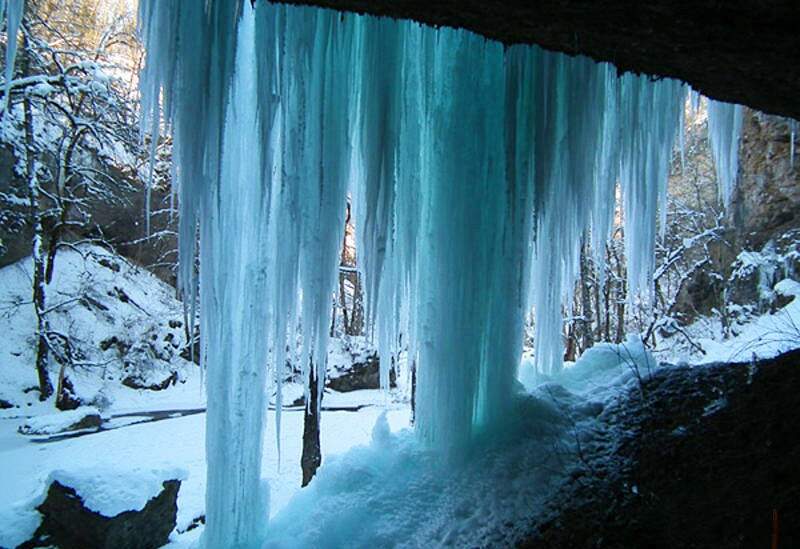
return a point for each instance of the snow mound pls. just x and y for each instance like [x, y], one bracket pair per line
[114, 491]
[71, 420]
[395, 492]
[604, 364]
[19, 521]
[788, 287]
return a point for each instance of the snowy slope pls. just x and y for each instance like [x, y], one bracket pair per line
[755, 337]
[121, 321]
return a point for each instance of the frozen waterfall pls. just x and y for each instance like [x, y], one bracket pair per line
[475, 170]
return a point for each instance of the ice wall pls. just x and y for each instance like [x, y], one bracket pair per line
[474, 170]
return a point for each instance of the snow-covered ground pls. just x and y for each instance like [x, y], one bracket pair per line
[177, 443]
[760, 336]
[378, 485]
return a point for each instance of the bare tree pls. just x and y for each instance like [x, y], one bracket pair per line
[70, 122]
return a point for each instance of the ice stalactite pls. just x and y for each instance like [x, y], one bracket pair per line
[11, 11]
[234, 291]
[475, 171]
[650, 120]
[724, 131]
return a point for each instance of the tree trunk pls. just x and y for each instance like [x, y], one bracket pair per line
[312, 453]
[357, 316]
[413, 391]
[45, 386]
[586, 340]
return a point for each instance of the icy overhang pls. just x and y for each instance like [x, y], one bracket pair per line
[740, 51]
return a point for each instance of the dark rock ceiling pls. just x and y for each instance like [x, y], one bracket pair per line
[734, 50]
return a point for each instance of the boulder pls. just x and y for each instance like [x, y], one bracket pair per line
[136, 382]
[361, 375]
[85, 417]
[68, 523]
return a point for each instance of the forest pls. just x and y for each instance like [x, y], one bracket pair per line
[281, 276]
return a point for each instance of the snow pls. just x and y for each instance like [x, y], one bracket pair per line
[788, 287]
[394, 492]
[608, 365]
[19, 522]
[121, 318]
[754, 336]
[148, 450]
[56, 423]
[111, 491]
[766, 336]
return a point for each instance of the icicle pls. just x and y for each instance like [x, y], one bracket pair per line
[650, 118]
[792, 133]
[694, 102]
[682, 145]
[154, 136]
[724, 129]
[234, 291]
[12, 10]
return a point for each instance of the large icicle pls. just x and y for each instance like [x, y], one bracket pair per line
[650, 121]
[463, 206]
[234, 292]
[724, 130]
[12, 10]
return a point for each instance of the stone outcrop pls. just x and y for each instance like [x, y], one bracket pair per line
[361, 375]
[68, 524]
[767, 198]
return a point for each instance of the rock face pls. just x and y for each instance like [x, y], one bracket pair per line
[68, 524]
[736, 51]
[706, 458]
[362, 375]
[761, 245]
[767, 198]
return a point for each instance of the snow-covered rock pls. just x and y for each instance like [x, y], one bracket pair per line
[113, 491]
[109, 509]
[86, 417]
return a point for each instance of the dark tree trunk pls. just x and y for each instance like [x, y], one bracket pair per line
[45, 387]
[569, 351]
[413, 391]
[585, 327]
[312, 452]
[357, 316]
